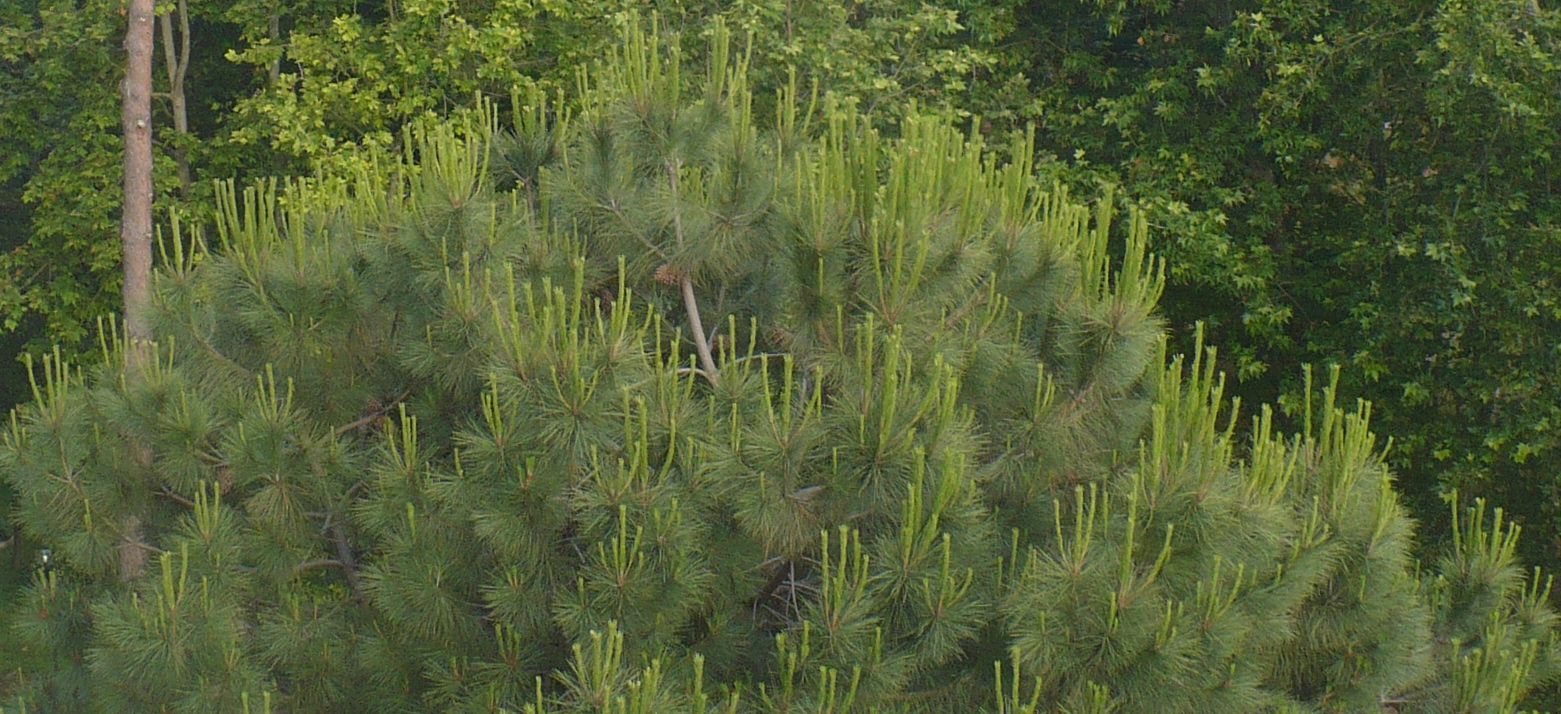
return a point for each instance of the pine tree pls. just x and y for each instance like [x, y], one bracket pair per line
[656, 406]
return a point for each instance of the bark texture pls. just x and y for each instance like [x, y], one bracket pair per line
[135, 232]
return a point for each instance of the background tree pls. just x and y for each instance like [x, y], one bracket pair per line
[1362, 183]
[176, 61]
[438, 439]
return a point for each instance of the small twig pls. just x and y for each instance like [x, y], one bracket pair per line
[759, 355]
[360, 422]
[791, 592]
[613, 208]
[317, 564]
[171, 495]
[373, 416]
[148, 547]
[768, 562]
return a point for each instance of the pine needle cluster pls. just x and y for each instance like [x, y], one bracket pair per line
[653, 405]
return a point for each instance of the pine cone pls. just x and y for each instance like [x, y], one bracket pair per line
[668, 275]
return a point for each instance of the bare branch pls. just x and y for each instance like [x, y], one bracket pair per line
[696, 326]
[373, 416]
[171, 495]
[690, 302]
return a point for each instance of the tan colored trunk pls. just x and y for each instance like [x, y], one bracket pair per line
[135, 232]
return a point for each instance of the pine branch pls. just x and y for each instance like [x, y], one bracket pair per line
[691, 303]
[346, 560]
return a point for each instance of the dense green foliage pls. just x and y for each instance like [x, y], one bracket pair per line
[1368, 183]
[447, 436]
[1365, 182]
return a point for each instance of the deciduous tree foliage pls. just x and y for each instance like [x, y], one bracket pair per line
[439, 439]
[1365, 183]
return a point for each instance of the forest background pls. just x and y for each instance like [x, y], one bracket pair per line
[1366, 183]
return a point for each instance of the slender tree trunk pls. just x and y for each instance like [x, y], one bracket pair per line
[135, 233]
[177, 62]
[274, 72]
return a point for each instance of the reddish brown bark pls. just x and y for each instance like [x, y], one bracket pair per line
[135, 232]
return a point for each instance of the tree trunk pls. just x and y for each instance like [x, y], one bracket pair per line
[177, 62]
[135, 232]
[274, 72]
